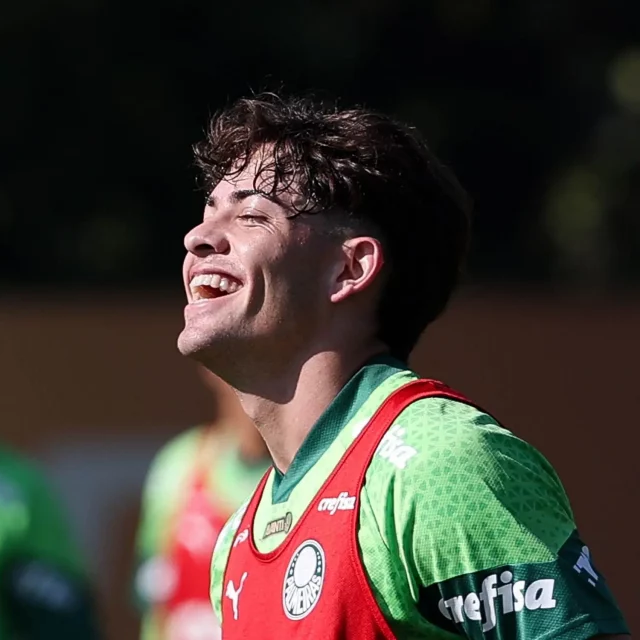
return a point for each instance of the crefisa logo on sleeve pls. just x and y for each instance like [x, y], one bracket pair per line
[513, 596]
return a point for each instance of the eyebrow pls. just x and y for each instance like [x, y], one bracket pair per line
[237, 196]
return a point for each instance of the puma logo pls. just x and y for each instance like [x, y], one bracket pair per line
[584, 564]
[241, 537]
[234, 594]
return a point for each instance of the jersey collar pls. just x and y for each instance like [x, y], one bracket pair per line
[336, 415]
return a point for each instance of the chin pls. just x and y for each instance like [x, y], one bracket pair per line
[192, 343]
[212, 351]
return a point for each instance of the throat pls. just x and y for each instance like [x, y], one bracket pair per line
[285, 422]
[281, 427]
[286, 407]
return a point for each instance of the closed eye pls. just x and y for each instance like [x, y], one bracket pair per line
[253, 218]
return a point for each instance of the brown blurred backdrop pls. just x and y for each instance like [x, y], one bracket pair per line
[93, 386]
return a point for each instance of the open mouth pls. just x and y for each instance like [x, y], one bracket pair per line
[207, 286]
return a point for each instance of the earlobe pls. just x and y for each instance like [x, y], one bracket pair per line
[363, 260]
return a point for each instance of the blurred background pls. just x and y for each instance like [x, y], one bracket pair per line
[534, 103]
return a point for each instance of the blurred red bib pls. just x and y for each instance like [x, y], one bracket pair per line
[184, 611]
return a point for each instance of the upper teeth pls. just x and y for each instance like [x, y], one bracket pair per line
[214, 280]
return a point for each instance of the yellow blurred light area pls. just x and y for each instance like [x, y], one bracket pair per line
[575, 213]
[625, 80]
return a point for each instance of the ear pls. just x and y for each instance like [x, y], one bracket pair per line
[362, 261]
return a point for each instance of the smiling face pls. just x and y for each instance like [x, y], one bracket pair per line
[259, 281]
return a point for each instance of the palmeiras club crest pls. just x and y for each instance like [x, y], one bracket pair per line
[303, 580]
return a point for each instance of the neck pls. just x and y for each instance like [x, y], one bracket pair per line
[286, 405]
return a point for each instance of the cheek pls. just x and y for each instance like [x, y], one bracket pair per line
[298, 270]
[310, 273]
[259, 253]
[185, 270]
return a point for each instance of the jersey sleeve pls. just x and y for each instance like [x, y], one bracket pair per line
[487, 536]
[44, 583]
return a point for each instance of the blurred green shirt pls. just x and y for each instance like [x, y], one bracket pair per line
[44, 590]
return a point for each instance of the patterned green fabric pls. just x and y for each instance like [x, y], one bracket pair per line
[525, 600]
[448, 495]
[35, 541]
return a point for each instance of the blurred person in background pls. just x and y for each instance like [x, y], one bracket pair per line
[45, 593]
[195, 483]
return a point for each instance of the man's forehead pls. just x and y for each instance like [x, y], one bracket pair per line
[255, 180]
[249, 173]
[229, 184]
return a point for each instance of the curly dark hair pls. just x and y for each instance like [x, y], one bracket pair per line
[377, 174]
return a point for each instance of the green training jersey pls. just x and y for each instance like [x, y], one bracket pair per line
[195, 482]
[464, 529]
[44, 591]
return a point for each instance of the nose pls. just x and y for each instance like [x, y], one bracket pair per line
[206, 239]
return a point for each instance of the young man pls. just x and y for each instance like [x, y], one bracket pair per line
[44, 589]
[195, 483]
[397, 508]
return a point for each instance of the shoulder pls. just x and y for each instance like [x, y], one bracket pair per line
[22, 482]
[33, 515]
[184, 444]
[452, 465]
[18, 468]
[173, 461]
[476, 506]
[458, 442]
